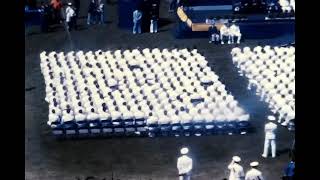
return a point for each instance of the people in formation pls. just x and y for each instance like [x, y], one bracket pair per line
[272, 72]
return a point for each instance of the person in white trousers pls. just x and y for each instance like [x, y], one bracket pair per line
[270, 137]
[184, 165]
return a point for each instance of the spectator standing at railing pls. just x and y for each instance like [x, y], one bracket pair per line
[92, 12]
[137, 16]
[45, 17]
[57, 7]
[172, 5]
[76, 5]
[100, 12]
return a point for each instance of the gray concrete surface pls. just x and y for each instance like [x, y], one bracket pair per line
[138, 158]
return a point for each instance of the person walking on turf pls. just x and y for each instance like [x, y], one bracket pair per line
[184, 165]
[270, 137]
[236, 170]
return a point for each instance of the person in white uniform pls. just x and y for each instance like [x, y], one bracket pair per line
[236, 170]
[70, 15]
[184, 165]
[254, 173]
[270, 137]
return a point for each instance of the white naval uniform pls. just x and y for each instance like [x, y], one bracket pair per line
[184, 166]
[236, 171]
[270, 138]
[254, 174]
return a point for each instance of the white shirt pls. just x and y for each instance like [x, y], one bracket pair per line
[184, 164]
[236, 171]
[254, 174]
[270, 129]
[69, 13]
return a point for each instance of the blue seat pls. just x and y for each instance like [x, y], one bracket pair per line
[70, 128]
[165, 129]
[95, 126]
[57, 128]
[187, 129]
[83, 127]
[119, 131]
[176, 129]
[231, 128]
[210, 127]
[140, 122]
[220, 127]
[130, 128]
[199, 129]
[243, 127]
[118, 123]
[153, 130]
[128, 122]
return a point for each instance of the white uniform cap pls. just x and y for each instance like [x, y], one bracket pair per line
[184, 150]
[254, 164]
[236, 158]
[271, 118]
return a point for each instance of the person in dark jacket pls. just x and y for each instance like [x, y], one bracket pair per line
[76, 4]
[213, 34]
[45, 17]
[92, 12]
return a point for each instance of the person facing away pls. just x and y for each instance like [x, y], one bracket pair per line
[184, 165]
[289, 170]
[236, 170]
[254, 173]
[270, 137]
[137, 16]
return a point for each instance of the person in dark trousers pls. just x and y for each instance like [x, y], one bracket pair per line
[173, 5]
[213, 34]
[92, 12]
[76, 4]
[289, 171]
[45, 17]
[57, 9]
[154, 13]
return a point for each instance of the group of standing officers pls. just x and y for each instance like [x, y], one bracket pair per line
[185, 163]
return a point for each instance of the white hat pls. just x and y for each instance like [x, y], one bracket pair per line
[69, 4]
[254, 164]
[236, 158]
[184, 150]
[271, 118]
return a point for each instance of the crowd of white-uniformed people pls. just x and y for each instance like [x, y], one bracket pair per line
[161, 86]
[272, 71]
